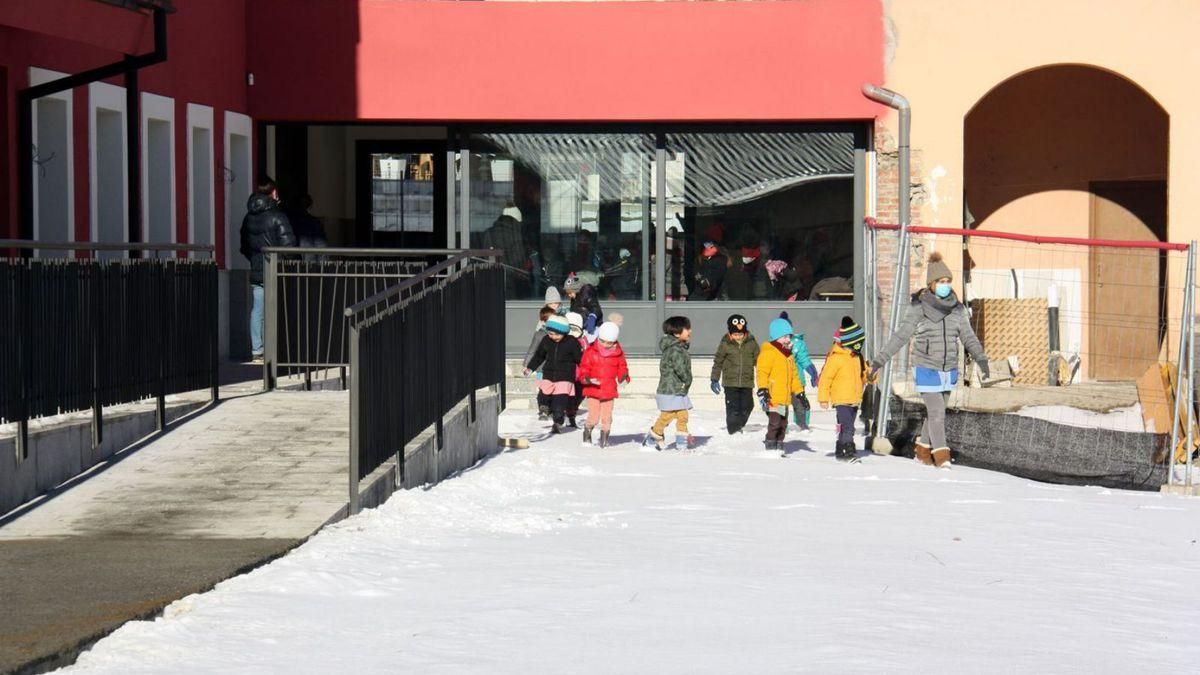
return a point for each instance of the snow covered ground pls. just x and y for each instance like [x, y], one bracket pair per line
[560, 558]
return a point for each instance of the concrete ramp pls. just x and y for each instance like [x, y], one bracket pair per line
[218, 493]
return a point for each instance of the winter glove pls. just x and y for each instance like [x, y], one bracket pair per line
[716, 387]
[589, 324]
[624, 379]
[984, 369]
[812, 374]
[764, 400]
[800, 402]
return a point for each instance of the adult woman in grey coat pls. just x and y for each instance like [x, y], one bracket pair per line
[935, 321]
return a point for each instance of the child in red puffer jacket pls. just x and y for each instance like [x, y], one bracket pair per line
[602, 367]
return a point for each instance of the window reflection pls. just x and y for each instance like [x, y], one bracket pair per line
[760, 216]
[558, 204]
[749, 215]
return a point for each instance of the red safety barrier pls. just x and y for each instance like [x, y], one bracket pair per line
[1110, 243]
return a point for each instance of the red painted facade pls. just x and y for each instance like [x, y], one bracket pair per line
[409, 60]
[574, 61]
[205, 65]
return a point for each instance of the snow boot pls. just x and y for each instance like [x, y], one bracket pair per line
[683, 442]
[571, 422]
[921, 453]
[941, 458]
[653, 440]
[557, 428]
[587, 435]
[543, 413]
[603, 438]
[845, 452]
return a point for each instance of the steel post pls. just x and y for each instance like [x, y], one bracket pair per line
[214, 336]
[356, 394]
[270, 317]
[660, 231]
[1189, 293]
[160, 416]
[1190, 401]
[97, 283]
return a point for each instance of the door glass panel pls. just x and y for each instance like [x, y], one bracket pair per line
[402, 192]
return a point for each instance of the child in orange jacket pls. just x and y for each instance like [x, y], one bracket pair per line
[841, 384]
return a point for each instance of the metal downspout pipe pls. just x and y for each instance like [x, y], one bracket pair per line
[880, 444]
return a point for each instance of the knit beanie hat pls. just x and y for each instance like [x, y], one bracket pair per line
[736, 323]
[937, 269]
[557, 324]
[778, 329]
[850, 335]
[552, 296]
[573, 283]
[609, 332]
[575, 321]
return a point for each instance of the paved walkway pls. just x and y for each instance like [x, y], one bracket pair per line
[218, 493]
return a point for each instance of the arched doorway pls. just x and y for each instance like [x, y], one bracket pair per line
[1078, 151]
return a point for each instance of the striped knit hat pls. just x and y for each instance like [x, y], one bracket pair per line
[558, 324]
[850, 335]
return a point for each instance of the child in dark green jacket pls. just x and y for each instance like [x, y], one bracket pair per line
[733, 366]
[674, 380]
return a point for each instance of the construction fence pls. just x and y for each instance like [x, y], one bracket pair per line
[1085, 340]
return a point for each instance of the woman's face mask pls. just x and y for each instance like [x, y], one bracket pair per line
[942, 290]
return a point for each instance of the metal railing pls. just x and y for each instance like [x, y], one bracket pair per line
[417, 350]
[85, 333]
[306, 291]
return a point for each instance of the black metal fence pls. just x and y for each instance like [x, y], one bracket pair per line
[83, 333]
[416, 351]
[306, 296]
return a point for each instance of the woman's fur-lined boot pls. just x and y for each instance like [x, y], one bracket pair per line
[941, 458]
[922, 453]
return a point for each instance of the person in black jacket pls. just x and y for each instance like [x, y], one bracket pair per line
[710, 278]
[558, 357]
[264, 225]
[585, 302]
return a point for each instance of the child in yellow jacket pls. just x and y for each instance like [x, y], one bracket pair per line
[778, 381]
[841, 385]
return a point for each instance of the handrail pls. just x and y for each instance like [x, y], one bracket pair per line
[461, 256]
[370, 252]
[99, 246]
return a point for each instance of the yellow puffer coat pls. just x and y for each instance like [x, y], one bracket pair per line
[842, 378]
[777, 373]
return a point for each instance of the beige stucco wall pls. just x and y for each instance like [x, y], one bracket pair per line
[944, 55]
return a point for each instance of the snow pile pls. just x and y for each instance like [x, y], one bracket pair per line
[729, 559]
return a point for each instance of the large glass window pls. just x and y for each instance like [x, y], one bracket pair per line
[562, 203]
[760, 216]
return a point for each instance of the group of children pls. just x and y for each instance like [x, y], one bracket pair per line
[576, 365]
